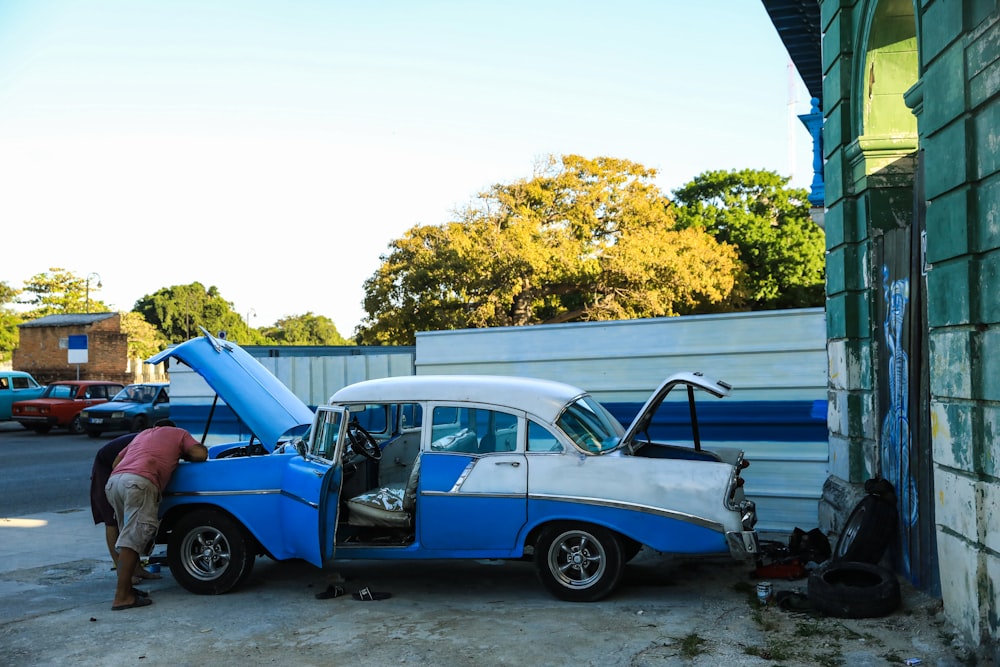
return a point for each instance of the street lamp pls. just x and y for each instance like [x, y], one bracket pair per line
[98, 276]
[249, 313]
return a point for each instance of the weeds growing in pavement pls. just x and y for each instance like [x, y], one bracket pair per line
[692, 645]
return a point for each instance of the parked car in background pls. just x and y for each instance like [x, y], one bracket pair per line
[60, 404]
[134, 408]
[439, 467]
[16, 386]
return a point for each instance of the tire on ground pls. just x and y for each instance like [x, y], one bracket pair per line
[579, 562]
[76, 426]
[868, 530]
[209, 552]
[846, 589]
[138, 423]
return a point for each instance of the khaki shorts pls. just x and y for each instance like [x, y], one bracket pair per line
[136, 501]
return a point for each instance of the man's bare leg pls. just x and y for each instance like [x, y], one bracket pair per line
[111, 536]
[127, 562]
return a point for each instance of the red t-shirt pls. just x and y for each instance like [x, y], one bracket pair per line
[154, 454]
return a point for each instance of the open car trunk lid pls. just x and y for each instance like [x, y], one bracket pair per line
[688, 381]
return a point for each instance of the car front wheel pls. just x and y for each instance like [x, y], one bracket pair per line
[209, 552]
[579, 563]
[76, 426]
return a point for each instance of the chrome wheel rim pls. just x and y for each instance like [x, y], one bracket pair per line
[577, 559]
[205, 553]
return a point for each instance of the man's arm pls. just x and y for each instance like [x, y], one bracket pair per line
[118, 459]
[196, 453]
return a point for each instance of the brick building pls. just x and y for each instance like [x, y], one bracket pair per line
[43, 349]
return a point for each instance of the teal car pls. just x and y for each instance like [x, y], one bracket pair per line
[133, 409]
[16, 386]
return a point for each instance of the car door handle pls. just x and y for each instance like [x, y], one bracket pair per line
[507, 463]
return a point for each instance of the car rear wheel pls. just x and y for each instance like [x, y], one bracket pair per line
[76, 426]
[579, 563]
[209, 552]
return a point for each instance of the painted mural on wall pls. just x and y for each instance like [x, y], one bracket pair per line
[895, 441]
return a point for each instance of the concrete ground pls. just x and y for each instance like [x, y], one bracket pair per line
[56, 586]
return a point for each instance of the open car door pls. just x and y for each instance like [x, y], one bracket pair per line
[311, 488]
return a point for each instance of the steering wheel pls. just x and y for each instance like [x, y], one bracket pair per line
[363, 442]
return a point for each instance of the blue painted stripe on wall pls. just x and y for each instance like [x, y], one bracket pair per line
[720, 421]
[726, 421]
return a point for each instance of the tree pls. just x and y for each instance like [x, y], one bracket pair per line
[143, 339]
[305, 329]
[9, 320]
[58, 292]
[781, 248]
[581, 240]
[178, 312]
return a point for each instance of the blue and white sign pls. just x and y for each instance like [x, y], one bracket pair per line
[78, 349]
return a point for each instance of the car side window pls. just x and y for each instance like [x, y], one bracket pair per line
[19, 382]
[326, 435]
[540, 439]
[473, 430]
[4, 383]
[411, 416]
[374, 418]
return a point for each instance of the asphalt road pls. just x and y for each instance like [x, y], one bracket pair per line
[44, 473]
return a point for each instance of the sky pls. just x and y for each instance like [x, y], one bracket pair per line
[275, 149]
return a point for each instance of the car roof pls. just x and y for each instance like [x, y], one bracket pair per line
[543, 398]
[88, 382]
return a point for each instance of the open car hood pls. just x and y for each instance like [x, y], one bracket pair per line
[258, 398]
[691, 381]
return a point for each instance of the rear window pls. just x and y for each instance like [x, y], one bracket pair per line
[60, 391]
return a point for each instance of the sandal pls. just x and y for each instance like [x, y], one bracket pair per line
[330, 592]
[139, 602]
[368, 595]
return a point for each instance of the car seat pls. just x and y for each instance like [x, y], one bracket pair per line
[388, 507]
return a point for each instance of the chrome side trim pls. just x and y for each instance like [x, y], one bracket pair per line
[596, 502]
[248, 492]
[454, 494]
[465, 475]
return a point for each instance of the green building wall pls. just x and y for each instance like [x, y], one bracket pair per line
[902, 76]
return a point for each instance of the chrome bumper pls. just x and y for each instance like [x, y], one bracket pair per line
[743, 544]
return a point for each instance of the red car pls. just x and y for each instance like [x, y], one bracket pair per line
[60, 404]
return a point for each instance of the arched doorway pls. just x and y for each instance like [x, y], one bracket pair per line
[888, 179]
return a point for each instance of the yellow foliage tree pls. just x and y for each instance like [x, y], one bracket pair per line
[583, 239]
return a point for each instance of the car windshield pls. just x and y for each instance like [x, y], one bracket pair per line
[136, 394]
[590, 426]
[59, 391]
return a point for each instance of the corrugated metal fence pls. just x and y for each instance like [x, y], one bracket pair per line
[776, 362]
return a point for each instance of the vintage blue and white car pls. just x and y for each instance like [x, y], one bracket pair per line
[433, 467]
